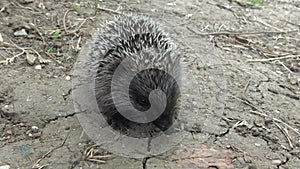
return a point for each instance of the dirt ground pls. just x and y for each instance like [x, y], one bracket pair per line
[256, 47]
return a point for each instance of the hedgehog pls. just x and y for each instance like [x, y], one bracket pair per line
[153, 59]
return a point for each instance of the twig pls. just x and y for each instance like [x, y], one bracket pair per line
[272, 59]
[245, 101]
[36, 164]
[35, 52]
[40, 34]
[236, 148]
[240, 33]
[110, 11]
[284, 66]
[57, 61]
[64, 20]
[89, 154]
[287, 136]
[79, 27]
[10, 60]
[78, 44]
[76, 30]
[16, 4]
[259, 112]
[276, 120]
[268, 25]
[246, 88]
[96, 160]
[16, 45]
[25, 50]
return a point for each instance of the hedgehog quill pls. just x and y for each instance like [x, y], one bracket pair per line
[138, 70]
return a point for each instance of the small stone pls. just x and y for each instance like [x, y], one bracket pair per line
[171, 4]
[268, 119]
[21, 32]
[188, 16]
[298, 143]
[9, 132]
[255, 132]
[41, 6]
[260, 129]
[283, 146]
[31, 59]
[34, 129]
[1, 39]
[38, 67]
[58, 44]
[68, 78]
[276, 162]
[5, 167]
[29, 134]
[28, 26]
[257, 144]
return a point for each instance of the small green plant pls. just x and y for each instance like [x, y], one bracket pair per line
[96, 3]
[255, 2]
[57, 33]
[51, 50]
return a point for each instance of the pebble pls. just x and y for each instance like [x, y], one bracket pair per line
[9, 132]
[34, 129]
[21, 32]
[276, 162]
[298, 143]
[41, 6]
[68, 78]
[31, 59]
[1, 39]
[5, 167]
[257, 144]
[188, 16]
[171, 4]
[38, 67]
[58, 44]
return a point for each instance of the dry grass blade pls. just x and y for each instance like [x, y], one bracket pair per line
[240, 33]
[92, 154]
[275, 58]
[285, 133]
[276, 120]
[259, 112]
[36, 164]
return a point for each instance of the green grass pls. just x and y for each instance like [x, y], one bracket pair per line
[255, 2]
[96, 3]
[57, 33]
[51, 50]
